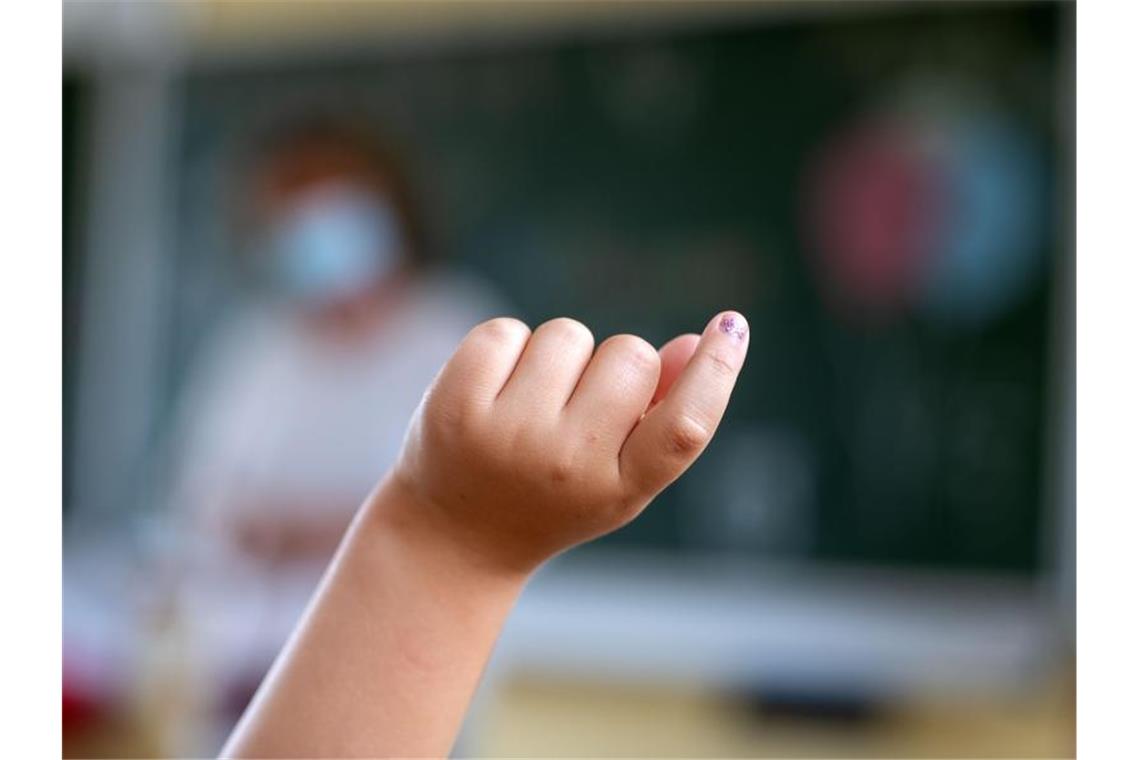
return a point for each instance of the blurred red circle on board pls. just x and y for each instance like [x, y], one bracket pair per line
[872, 207]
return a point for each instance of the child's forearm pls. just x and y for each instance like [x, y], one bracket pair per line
[391, 649]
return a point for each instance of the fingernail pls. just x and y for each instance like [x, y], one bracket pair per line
[734, 325]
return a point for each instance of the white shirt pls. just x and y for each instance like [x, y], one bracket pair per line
[278, 420]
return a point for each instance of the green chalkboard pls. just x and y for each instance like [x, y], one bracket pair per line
[643, 180]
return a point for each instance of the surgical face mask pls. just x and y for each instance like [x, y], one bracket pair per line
[335, 242]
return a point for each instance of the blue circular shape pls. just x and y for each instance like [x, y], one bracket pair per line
[988, 252]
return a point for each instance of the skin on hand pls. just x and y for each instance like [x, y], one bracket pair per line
[525, 445]
[529, 443]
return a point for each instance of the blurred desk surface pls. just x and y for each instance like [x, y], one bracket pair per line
[530, 717]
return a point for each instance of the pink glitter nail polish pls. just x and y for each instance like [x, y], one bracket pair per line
[729, 325]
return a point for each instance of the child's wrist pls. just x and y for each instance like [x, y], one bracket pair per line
[396, 519]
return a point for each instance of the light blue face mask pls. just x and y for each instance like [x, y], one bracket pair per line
[333, 244]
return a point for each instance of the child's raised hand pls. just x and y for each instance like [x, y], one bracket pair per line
[529, 443]
[525, 444]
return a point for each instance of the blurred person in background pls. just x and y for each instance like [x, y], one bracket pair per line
[304, 397]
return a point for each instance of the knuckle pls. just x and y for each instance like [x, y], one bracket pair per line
[562, 470]
[500, 330]
[686, 436]
[569, 330]
[719, 364]
[449, 419]
[628, 503]
[636, 351]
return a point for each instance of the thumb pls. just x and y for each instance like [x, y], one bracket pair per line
[673, 433]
